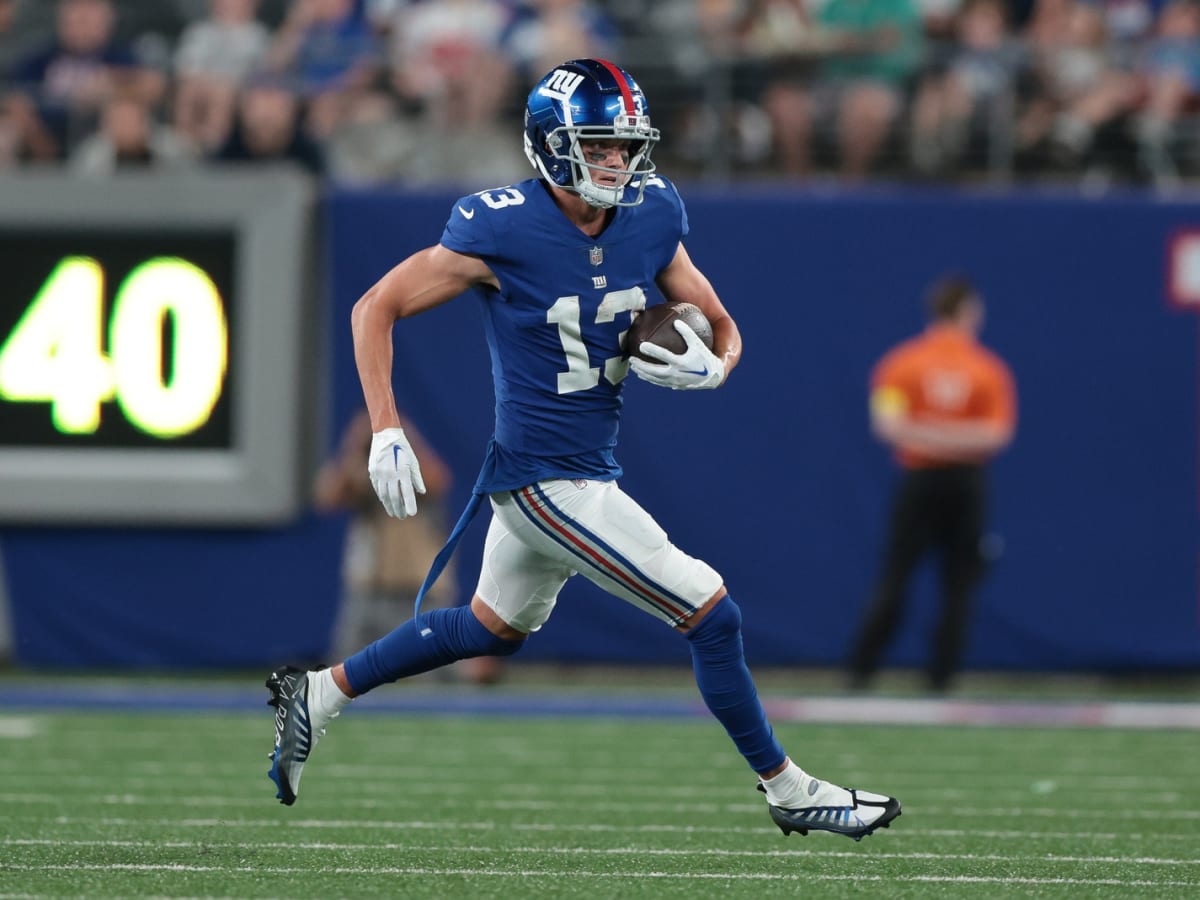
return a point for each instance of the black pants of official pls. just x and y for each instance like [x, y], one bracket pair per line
[935, 510]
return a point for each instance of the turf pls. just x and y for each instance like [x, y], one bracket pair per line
[167, 804]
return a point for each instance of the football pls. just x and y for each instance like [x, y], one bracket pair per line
[656, 325]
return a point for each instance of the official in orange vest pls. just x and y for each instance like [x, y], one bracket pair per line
[946, 405]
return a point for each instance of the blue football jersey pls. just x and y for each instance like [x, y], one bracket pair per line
[554, 327]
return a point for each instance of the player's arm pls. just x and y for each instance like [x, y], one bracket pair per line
[696, 367]
[963, 439]
[426, 279]
[681, 280]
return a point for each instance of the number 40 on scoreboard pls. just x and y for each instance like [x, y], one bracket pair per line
[167, 347]
[119, 342]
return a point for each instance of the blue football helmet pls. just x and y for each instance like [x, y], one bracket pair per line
[581, 100]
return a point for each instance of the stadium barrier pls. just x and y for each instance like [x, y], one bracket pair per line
[774, 479]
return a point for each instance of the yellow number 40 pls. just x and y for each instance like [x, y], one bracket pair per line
[55, 352]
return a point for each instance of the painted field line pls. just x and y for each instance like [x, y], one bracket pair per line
[17, 727]
[900, 831]
[160, 789]
[1062, 770]
[1187, 815]
[417, 779]
[899, 711]
[576, 874]
[609, 851]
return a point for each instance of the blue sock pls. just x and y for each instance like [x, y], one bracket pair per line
[443, 636]
[727, 688]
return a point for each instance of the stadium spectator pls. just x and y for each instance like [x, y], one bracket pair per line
[329, 52]
[267, 129]
[130, 138]
[747, 85]
[9, 45]
[449, 82]
[711, 63]
[542, 32]
[1078, 88]
[871, 51]
[67, 83]
[9, 52]
[966, 98]
[550, 473]
[448, 64]
[1129, 24]
[772, 49]
[940, 18]
[945, 405]
[214, 58]
[1170, 82]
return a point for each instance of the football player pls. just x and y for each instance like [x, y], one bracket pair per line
[561, 264]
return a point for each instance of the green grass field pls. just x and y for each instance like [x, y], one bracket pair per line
[178, 804]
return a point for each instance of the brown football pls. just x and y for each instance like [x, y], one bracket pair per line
[656, 325]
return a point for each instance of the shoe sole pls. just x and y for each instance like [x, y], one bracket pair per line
[274, 683]
[779, 817]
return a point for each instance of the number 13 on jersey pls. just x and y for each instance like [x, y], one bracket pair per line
[581, 375]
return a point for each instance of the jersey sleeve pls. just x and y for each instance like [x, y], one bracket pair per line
[676, 215]
[670, 195]
[1002, 395]
[888, 372]
[468, 229]
[683, 218]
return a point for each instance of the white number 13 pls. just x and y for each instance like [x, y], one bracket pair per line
[580, 375]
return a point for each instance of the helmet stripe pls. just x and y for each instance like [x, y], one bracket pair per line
[623, 84]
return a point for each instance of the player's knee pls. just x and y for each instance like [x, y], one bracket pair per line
[480, 641]
[723, 623]
[504, 647]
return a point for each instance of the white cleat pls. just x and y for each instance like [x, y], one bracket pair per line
[850, 812]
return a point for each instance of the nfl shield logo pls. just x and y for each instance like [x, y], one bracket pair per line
[596, 256]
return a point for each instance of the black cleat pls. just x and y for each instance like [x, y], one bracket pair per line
[294, 737]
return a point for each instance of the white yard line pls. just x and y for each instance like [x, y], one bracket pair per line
[17, 727]
[609, 851]
[1080, 771]
[899, 711]
[901, 831]
[1002, 812]
[576, 874]
[401, 791]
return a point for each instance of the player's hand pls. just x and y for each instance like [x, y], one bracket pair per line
[395, 472]
[696, 368]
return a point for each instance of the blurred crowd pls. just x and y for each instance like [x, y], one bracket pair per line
[431, 91]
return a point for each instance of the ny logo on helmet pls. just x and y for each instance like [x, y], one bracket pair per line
[561, 83]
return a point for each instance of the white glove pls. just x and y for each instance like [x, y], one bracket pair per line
[693, 369]
[395, 472]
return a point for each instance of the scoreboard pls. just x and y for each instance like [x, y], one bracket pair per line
[155, 347]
